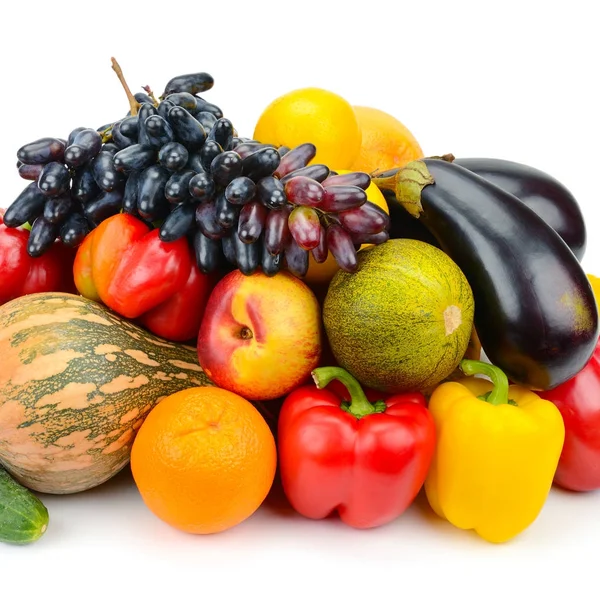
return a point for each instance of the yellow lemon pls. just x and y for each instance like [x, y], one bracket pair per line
[312, 115]
[320, 274]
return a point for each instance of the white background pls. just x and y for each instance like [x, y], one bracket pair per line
[516, 80]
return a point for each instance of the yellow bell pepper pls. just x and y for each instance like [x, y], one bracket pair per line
[497, 452]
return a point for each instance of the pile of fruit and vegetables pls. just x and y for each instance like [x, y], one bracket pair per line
[320, 304]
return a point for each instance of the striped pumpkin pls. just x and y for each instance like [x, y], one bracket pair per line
[76, 382]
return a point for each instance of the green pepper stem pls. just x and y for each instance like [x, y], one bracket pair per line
[359, 404]
[499, 395]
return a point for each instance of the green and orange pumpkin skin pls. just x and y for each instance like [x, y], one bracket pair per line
[76, 382]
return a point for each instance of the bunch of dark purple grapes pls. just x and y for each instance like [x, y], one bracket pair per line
[179, 165]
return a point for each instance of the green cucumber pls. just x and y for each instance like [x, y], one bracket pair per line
[23, 516]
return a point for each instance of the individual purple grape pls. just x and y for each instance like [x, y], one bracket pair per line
[206, 119]
[186, 128]
[222, 132]
[86, 144]
[240, 190]
[130, 195]
[41, 237]
[178, 186]
[158, 130]
[57, 209]
[248, 256]
[129, 127]
[208, 152]
[42, 151]
[105, 173]
[296, 158]
[227, 244]
[54, 179]
[28, 205]
[206, 219]
[74, 229]
[184, 99]
[202, 186]
[152, 203]
[368, 218]
[121, 140]
[225, 167]
[270, 191]
[178, 222]
[173, 156]
[283, 150]
[164, 107]
[296, 258]
[317, 172]
[304, 191]
[305, 227]
[270, 263]
[30, 172]
[103, 206]
[342, 248]
[261, 163]
[320, 252]
[338, 198]
[227, 213]
[208, 252]
[133, 158]
[111, 148]
[371, 238]
[251, 221]
[146, 110]
[277, 231]
[193, 83]
[84, 187]
[245, 149]
[357, 178]
[73, 135]
[202, 106]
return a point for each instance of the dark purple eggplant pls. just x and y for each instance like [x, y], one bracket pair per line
[544, 194]
[535, 311]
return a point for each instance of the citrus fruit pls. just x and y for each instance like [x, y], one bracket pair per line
[204, 460]
[321, 273]
[386, 142]
[312, 115]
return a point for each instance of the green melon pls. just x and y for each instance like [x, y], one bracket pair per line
[403, 320]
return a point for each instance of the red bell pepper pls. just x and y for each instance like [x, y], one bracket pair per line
[366, 460]
[22, 274]
[578, 401]
[124, 264]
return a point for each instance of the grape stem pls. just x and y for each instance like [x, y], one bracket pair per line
[133, 103]
[150, 93]
[106, 135]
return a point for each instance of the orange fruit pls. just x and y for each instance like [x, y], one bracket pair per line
[312, 115]
[204, 460]
[386, 142]
[320, 274]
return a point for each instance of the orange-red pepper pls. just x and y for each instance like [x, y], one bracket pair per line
[125, 265]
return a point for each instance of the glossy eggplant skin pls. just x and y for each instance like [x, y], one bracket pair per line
[544, 194]
[535, 311]
[403, 225]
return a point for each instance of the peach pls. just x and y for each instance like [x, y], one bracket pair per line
[260, 336]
